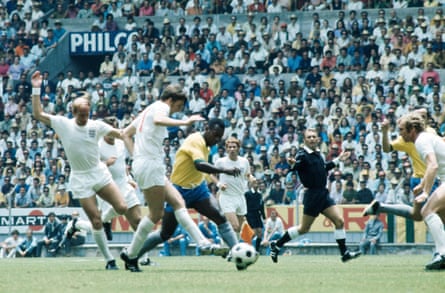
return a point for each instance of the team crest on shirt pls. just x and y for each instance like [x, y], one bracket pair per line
[92, 132]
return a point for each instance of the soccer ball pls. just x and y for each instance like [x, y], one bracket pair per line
[243, 255]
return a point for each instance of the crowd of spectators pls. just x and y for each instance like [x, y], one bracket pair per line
[267, 78]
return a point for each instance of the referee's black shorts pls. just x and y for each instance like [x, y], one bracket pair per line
[254, 220]
[315, 201]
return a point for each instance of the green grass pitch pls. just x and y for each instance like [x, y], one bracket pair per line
[297, 273]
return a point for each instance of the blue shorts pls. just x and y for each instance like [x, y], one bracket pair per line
[191, 195]
[416, 181]
[315, 201]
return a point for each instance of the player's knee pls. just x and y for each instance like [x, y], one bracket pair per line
[96, 223]
[339, 223]
[121, 208]
[134, 223]
[156, 215]
[236, 227]
[425, 212]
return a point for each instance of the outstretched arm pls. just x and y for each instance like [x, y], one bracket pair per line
[212, 169]
[37, 111]
[167, 121]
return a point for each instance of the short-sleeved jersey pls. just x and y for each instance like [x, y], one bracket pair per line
[399, 144]
[276, 226]
[193, 149]
[117, 150]
[236, 185]
[149, 137]
[427, 143]
[80, 142]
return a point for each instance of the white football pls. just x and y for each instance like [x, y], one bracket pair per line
[243, 255]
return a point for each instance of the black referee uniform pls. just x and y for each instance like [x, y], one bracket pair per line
[313, 172]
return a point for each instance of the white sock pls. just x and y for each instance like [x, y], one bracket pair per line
[435, 226]
[339, 234]
[187, 223]
[99, 237]
[144, 227]
[108, 214]
[293, 232]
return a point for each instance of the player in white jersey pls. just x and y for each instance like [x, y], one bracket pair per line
[112, 153]
[89, 176]
[149, 131]
[431, 149]
[232, 188]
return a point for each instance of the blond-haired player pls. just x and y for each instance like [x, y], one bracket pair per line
[431, 149]
[232, 188]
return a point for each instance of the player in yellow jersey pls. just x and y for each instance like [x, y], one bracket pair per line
[399, 144]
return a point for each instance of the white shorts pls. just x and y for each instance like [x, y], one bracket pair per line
[85, 184]
[233, 204]
[130, 196]
[148, 173]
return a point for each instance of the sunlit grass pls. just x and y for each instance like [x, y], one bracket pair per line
[212, 274]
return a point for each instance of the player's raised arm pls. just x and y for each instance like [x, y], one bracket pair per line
[386, 145]
[127, 136]
[37, 111]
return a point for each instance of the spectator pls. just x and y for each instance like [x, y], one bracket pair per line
[62, 197]
[35, 192]
[179, 238]
[86, 11]
[75, 232]
[128, 9]
[146, 9]
[9, 246]
[336, 192]
[350, 195]
[276, 194]
[364, 194]
[28, 246]
[52, 236]
[229, 81]
[209, 230]
[22, 200]
[46, 200]
[372, 234]
[110, 24]
[273, 230]
[290, 193]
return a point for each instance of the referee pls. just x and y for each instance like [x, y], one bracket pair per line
[313, 170]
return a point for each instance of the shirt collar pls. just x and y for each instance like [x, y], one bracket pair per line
[309, 150]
